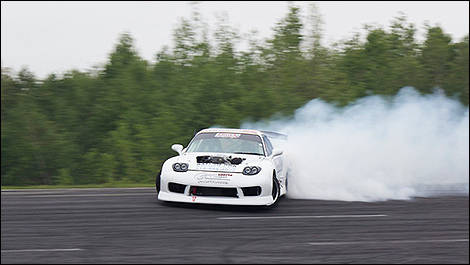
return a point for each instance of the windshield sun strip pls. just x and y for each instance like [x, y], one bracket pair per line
[261, 141]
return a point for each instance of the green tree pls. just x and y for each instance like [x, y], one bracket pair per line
[436, 58]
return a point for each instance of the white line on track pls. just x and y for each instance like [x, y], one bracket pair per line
[301, 216]
[387, 242]
[40, 250]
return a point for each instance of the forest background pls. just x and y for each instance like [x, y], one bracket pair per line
[115, 124]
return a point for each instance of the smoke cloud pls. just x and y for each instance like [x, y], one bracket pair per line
[376, 148]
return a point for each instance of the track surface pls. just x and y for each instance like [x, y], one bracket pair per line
[131, 226]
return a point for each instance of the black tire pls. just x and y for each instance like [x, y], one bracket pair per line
[287, 182]
[158, 182]
[276, 192]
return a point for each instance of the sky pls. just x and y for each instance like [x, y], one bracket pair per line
[53, 37]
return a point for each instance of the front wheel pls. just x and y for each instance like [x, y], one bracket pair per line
[287, 183]
[158, 182]
[276, 192]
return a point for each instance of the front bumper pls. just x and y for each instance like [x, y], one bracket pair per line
[249, 200]
[216, 180]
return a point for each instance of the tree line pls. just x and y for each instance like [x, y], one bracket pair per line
[117, 123]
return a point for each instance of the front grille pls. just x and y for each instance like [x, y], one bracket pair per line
[175, 187]
[211, 191]
[252, 191]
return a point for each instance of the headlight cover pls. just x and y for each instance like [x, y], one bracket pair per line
[180, 167]
[251, 170]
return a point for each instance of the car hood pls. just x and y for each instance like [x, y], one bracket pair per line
[192, 160]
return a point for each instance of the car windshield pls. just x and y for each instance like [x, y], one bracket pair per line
[221, 142]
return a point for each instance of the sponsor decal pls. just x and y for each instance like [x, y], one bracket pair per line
[227, 135]
[212, 182]
[194, 198]
[221, 178]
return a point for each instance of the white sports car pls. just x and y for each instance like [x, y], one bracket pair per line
[225, 166]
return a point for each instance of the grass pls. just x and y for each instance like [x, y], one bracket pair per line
[105, 185]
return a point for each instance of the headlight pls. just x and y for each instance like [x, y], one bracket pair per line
[251, 170]
[180, 167]
[247, 171]
[254, 170]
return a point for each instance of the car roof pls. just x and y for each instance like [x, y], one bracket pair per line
[230, 130]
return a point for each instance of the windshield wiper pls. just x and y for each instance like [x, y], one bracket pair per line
[246, 153]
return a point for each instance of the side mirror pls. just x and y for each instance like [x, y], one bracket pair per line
[277, 152]
[178, 148]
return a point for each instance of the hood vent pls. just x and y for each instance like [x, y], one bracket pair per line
[219, 160]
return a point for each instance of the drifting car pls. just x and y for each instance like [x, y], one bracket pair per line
[225, 166]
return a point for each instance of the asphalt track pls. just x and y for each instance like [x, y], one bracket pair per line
[131, 226]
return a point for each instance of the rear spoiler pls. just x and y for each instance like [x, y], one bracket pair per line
[275, 135]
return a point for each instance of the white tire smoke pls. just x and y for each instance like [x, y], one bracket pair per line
[377, 148]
